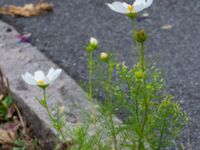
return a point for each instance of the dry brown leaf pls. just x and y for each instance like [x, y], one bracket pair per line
[11, 126]
[6, 137]
[44, 7]
[10, 112]
[28, 10]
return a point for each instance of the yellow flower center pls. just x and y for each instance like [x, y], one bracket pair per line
[130, 8]
[41, 82]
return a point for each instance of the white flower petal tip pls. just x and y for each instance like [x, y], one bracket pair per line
[148, 3]
[124, 8]
[40, 78]
[118, 7]
[54, 74]
[94, 41]
[28, 78]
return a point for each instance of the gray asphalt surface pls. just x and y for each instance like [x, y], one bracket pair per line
[62, 35]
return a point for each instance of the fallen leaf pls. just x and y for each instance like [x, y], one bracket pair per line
[167, 27]
[10, 111]
[44, 7]
[6, 137]
[28, 10]
[11, 126]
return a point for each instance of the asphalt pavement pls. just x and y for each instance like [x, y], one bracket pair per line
[174, 43]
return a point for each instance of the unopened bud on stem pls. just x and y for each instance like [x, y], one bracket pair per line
[104, 57]
[140, 36]
[92, 45]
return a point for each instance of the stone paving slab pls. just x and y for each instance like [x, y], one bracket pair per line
[18, 58]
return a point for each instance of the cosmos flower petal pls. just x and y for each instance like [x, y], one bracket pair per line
[124, 8]
[125, 5]
[138, 2]
[39, 75]
[40, 79]
[51, 71]
[55, 75]
[28, 78]
[118, 7]
[139, 7]
[46, 81]
[147, 3]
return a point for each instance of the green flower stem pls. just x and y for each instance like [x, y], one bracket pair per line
[108, 89]
[46, 106]
[133, 30]
[142, 59]
[54, 121]
[90, 63]
[161, 136]
[137, 104]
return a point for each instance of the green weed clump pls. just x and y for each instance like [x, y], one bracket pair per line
[153, 120]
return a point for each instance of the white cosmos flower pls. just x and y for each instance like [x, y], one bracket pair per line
[124, 8]
[40, 79]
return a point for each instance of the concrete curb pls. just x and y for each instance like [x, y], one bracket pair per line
[16, 59]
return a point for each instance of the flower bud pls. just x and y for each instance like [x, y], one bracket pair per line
[93, 41]
[104, 56]
[92, 45]
[139, 74]
[140, 36]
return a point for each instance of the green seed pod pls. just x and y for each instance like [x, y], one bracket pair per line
[140, 36]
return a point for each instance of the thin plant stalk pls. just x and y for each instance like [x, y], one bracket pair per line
[133, 30]
[145, 118]
[55, 123]
[108, 89]
[90, 63]
[161, 136]
[137, 104]
[142, 62]
[94, 119]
